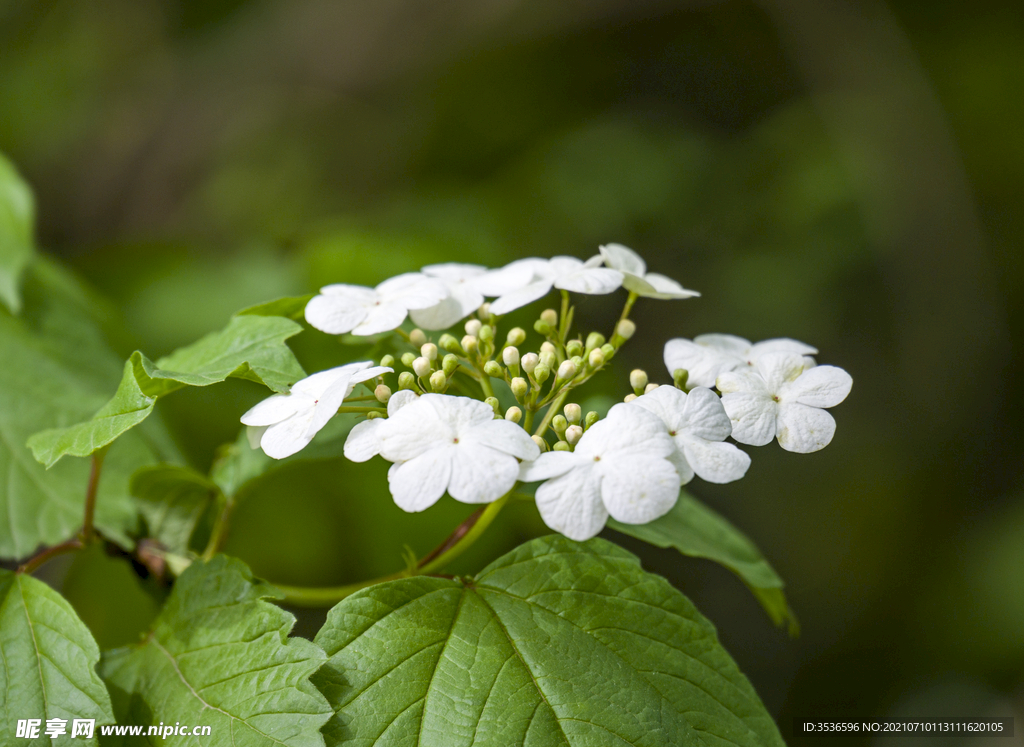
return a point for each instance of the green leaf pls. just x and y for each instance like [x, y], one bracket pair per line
[56, 368]
[219, 655]
[555, 643]
[250, 347]
[17, 223]
[695, 530]
[291, 307]
[47, 660]
[172, 499]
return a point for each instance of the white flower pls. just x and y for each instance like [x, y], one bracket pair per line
[707, 356]
[439, 442]
[565, 273]
[620, 467]
[783, 399]
[636, 277]
[284, 423]
[360, 310]
[698, 425]
[467, 285]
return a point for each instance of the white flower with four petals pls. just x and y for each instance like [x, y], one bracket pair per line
[564, 273]
[342, 308]
[707, 356]
[637, 279]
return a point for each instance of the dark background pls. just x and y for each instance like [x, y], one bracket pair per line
[848, 174]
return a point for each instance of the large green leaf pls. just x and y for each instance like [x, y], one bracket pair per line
[220, 656]
[17, 223]
[695, 530]
[172, 499]
[47, 661]
[292, 307]
[250, 347]
[555, 643]
[56, 368]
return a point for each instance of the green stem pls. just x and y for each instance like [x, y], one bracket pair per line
[563, 318]
[363, 410]
[629, 305]
[528, 419]
[553, 409]
[220, 529]
[33, 563]
[485, 383]
[88, 530]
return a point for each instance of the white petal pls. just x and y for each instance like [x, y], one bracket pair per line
[683, 468]
[778, 369]
[624, 259]
[481, 474]
[417, 485]
[326, 407]
[594, 281]
[274, 409]
[505, 437]
[550, 464]
[562, 265]
[358, 295]
[509, 278]
[335, 315]
[521, 297]
[626, 430]
[452, 272]
[638, 285]
[703, 362]
[780, 345]
[737, 346]
[287, 437]
[714, 461]
[462, 302]
[316, 384]
[412, 290]
[254, 433]
[460, 413]
[363, 441]
[742, 381]
[822, 386]
[382, 317]
[703, 415]
[571, 504]
[804, 429]
[752, 415]
[400, 399]
[667, 403]
[637, 491]
[413, 430]
[667, 288]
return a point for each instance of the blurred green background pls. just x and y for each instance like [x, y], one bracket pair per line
[848, 174]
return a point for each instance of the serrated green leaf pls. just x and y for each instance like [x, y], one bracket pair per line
[291, 307]
[17, 223]
[555, 643]
[172, 499]
[56, 368]
[219, 655]
[250, 347]
[47, 661]
[695, 530]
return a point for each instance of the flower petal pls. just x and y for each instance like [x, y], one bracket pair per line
[778, 369]
[714, 461]
[703, 362]
[683, 468]
[481, 474]
[413, 430]
[412, 290]
[550, 464]
[636, 491]
[274, 409]
[254, 433]
[703, 415]
[624, 259]
[781, 345]
[752, 414]
[287, 437]
[520, 297]
[382, 317]
[504, 436]
[594, 281]
[804, 429]
[417, 485]
[453, 272]
[462, 302]
[667, 288]
[363, 441]
[335, 315]
[667, 403]
[822, 386]
[511, 277]
[400, 399]
[571, 504]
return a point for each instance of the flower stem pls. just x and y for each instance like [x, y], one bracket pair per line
[553, 409]
[629, 305]
[361, 409]
[485, 383]
[88, 530]
[35, 562]
[219, 533]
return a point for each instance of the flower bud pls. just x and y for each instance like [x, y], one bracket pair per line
[541, 373]
[529, 362]
[516, 336]
[638, 379]
[577, 361]
[629, 397]
[574, 348]
[473, 327]
[573, 413]
[625, 329]
[594, 340]
[549, 317]
[561, 446]
[608, 350]
[541, 443]
[418, 338]
[493, 403]
[469, 344]
[520, 388]
[513, 414]
[485, 309]
[438, 381]
[421, 366]
[542, 328]
[650, 387]
[592, 417]
[407, 359]
[679, 377]
[406, 380]
[510, 355]
[382, 393]
[549, 359]
[429, 351]
[559, 424]
[566, 370]
[449, 363]
[493, 368]
[486, 333]
[596, 358]
[547, 347]
[449, 344]
[388, 361]
[573, 434]
[373, 414]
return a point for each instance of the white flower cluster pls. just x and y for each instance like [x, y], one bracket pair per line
[629, 465]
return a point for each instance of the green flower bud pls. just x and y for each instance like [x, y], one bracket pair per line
[382, 393]
[473, 327]
[561, 446]
[407, 359]
[650, 387]
[592, 417]
[510, 356]
[541, 443]
[520, 388]
[493, 368]
[573, 434]
[542, 328]
[549, 317]
[417, 338]
[573, 413]
[679, 377]
[516, 336]
[494, 404]
[625, 329]
[594, 340]
[373, 414]
[547, 347]
[608, 350]
[388, 361]
[559, 424]
[574, 348]
[429, 351]
[449, 363]
[629, 397]
[577, 361]
[513, 414]
[421, 366]
[406, 380]
[541, 373]
[486, 333]
[450, 344]
[566, 370]
[438, 381]
[596, 358]
[529, 362]
[638, 379]
[469, 344]
[549, 359]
